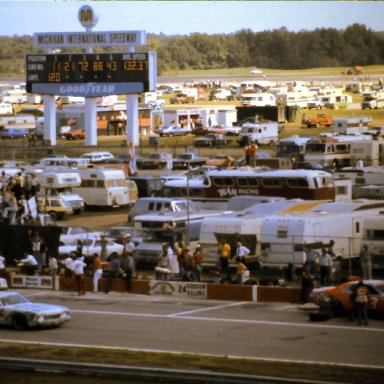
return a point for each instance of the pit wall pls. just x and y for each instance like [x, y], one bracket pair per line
[255, 293]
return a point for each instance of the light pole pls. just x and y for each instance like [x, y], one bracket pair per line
[187, 227]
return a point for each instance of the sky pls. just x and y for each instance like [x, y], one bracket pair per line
[20, 18]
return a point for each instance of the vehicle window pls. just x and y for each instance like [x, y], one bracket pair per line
[297, 183]
[100, 184]
[247, 181]
[223, 181]
[271, 182]
[13, 299]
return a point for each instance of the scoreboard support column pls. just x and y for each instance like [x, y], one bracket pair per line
[90, 122]
[50, 119]
[132, 129]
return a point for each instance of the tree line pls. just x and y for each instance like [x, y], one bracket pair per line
[276, 49]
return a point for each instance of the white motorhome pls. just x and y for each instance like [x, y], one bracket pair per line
[262, 133]
[350, 125]
[336, 101]
[261, 99]
[372, 100]
[292, 147]
[106, 187]
[370, 152]
[296, 99]
[373, 235]
[56, 192]
[20, 121]
[6, 109]
[14, 96]
[244, 225]
[287, 235]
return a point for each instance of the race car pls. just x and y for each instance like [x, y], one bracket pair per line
[20, 313]
[337, 298]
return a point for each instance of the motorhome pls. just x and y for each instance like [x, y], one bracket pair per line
[63, 162]
[373, 235]
[261, 133]
[292, 147]
[244, 225]
[22, 122]
[372, 100]
[106, 187]
[350, 125]
[14, 96]
[261, 99]
[370, 152]
[296, 99]
[56, 193]
[336, 101]
[218, 186]
[6, 109]
[286, 236]
[328, 154]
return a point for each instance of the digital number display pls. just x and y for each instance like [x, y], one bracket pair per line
[87, 68]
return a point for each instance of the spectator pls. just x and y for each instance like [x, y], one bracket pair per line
[366, 262]
[52, 265]
[307, 282]
[241, 251]
[36, 250]
[250, 154]
[163, 268]
[78, 268]
[97, 272]
[182, 260]
[242, 272]
[129, 245]
[197, 262]
[311, 257]
[325, 262]
[360, 299]
[113, 272]
[68, 266]
[29, 264]
[129, 269]
[224, 251]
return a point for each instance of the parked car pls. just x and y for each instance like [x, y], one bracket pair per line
[69, 234]
[173, 130]
[211, 140]
[13, 133]
[156, 160]
[90, 246]
[182, 98]
[119, 234]
[122, 158]
[20, 313]
[95, 157]
[75, 135]
[337, 298]
[188, 160]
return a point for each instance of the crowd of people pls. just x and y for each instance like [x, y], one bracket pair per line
[15, 193]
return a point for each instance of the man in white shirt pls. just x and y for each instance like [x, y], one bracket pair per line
[29, 264]
[78, 268]
[241, 250]
[325, 262]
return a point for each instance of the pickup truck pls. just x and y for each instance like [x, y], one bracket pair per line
[181, 98]
[320, 119]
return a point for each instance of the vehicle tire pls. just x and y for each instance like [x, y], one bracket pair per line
[19, 322]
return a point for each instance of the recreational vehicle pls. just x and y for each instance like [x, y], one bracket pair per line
[292, 147]
[22, 122]
[106, 187]
[63, 162]
[372, 100]
[258, 99]
[286, 236]
[335, 101]
[373, 235]
[350, 125]
[56, 194]
[261, 133]
[218, 186]
[244, 226]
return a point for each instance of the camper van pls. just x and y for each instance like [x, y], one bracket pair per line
[286, 236]
[261, 133]
[56, 195]
[335, 101]
[258, 99]
[106, 187]
[372, 100]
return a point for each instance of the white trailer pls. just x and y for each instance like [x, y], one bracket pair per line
[21, 121]
[372, 100]
[350, 125]
[374, 237]
[370, 152]
[286, 235]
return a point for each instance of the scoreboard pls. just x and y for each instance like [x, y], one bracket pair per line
[91, 74]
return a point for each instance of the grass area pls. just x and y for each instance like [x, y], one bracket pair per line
[226, 364]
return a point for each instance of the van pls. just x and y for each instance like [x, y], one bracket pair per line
[261, 133]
